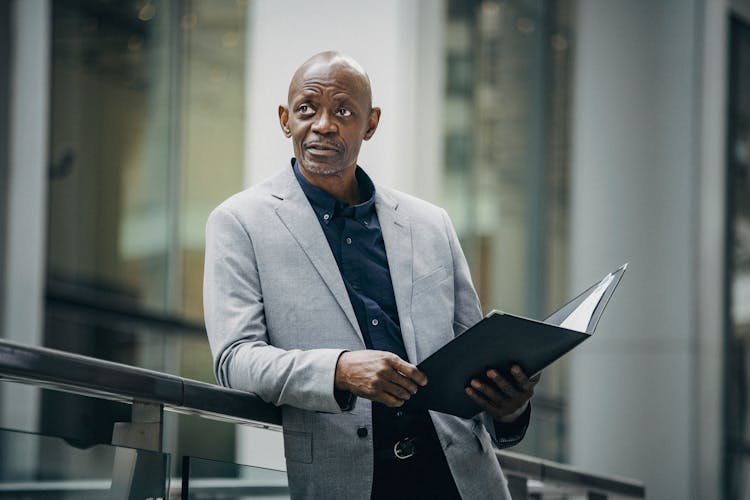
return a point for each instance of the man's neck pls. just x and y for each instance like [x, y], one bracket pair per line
[342, 185]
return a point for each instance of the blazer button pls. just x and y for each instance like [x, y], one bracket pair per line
[362, 432]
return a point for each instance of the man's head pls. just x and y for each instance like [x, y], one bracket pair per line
[329, 113]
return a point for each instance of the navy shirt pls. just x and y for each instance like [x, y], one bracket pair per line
[356, 241]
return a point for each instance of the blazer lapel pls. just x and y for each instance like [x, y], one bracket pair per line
[398, 246]
[295, 212]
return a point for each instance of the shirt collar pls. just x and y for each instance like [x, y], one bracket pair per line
[327, 207]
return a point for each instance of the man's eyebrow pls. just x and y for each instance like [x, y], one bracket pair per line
[345, 98]
[303, 96]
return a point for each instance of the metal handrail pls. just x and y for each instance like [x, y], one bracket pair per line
[568, 478]
[115, 381]
[119, 382]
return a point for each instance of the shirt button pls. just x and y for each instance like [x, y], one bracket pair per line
[374, 322]
[348, 241]
[362, 432]
[326, 216]
[400, 413]
[364, 221]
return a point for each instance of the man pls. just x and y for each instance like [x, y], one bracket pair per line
[322, 293]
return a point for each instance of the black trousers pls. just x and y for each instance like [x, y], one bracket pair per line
[425, 475]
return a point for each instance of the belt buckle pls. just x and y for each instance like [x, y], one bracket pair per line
[404, 448]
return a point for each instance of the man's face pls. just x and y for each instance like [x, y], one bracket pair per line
[328, 116]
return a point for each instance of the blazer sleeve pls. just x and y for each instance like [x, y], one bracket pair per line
[243, 357]
[467, 312]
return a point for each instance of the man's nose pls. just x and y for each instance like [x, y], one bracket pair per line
[324, 123]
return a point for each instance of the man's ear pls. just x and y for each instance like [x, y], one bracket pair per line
[372, 123]
[284, 120]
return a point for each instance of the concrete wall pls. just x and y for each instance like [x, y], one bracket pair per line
[641, 392]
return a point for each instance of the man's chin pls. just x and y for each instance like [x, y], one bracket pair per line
[317, 167]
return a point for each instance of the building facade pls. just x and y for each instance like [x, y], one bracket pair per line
[563, 137]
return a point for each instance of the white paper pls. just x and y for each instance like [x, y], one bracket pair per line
[580, 318]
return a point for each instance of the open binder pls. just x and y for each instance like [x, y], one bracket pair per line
[501, 340]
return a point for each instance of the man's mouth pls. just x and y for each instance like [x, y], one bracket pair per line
[322, 148]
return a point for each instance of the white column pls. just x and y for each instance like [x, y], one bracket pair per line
[27, 178]
[23, 293]
[710, 295]
[647, 188]
[400, 46]
[398, 43]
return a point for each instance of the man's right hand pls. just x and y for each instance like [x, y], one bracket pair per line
[378, 376]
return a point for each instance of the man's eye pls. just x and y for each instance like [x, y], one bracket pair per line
[343, 112]
[304, 109]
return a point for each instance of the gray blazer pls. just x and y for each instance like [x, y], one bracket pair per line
[278, 317]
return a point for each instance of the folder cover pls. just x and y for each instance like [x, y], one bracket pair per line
[501, 340]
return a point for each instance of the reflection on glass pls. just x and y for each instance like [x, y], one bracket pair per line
[110, 149]
[506, 166]
[737, 372]
[209, 479]
[64, 471]
[146, 136]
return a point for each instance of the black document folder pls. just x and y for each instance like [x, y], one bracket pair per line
[501, 340]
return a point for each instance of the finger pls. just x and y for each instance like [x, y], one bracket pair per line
[526, 384]
[389, 400]
[519, 376]
[507, 389]
[483, 403]
[394, 376]
[489, 392]
[399, 379]
[409, 371]
[397, 391]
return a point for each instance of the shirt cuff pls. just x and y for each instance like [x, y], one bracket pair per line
[511, 433]
[345, 399]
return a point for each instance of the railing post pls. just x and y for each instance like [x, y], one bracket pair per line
[518, 487]
[138, 473]
[144, 431]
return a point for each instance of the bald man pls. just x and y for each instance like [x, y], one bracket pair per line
[323, 292]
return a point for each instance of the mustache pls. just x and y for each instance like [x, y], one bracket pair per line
[323, 145]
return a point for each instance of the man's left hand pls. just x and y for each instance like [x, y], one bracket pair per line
[501, 398]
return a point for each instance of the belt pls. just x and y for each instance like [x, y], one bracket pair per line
[403, 449]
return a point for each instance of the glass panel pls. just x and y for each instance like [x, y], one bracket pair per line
[213, 118]
[506, 166]
[738, 264]
[146, 138]
[112, 84]
[54, 468]
[209, 479]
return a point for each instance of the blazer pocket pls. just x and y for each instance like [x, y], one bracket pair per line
[298, 446]
[430, 280]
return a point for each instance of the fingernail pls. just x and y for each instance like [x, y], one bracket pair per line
[492, 374]
[475, 383]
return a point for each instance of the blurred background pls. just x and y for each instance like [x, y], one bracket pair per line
[564, 137]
